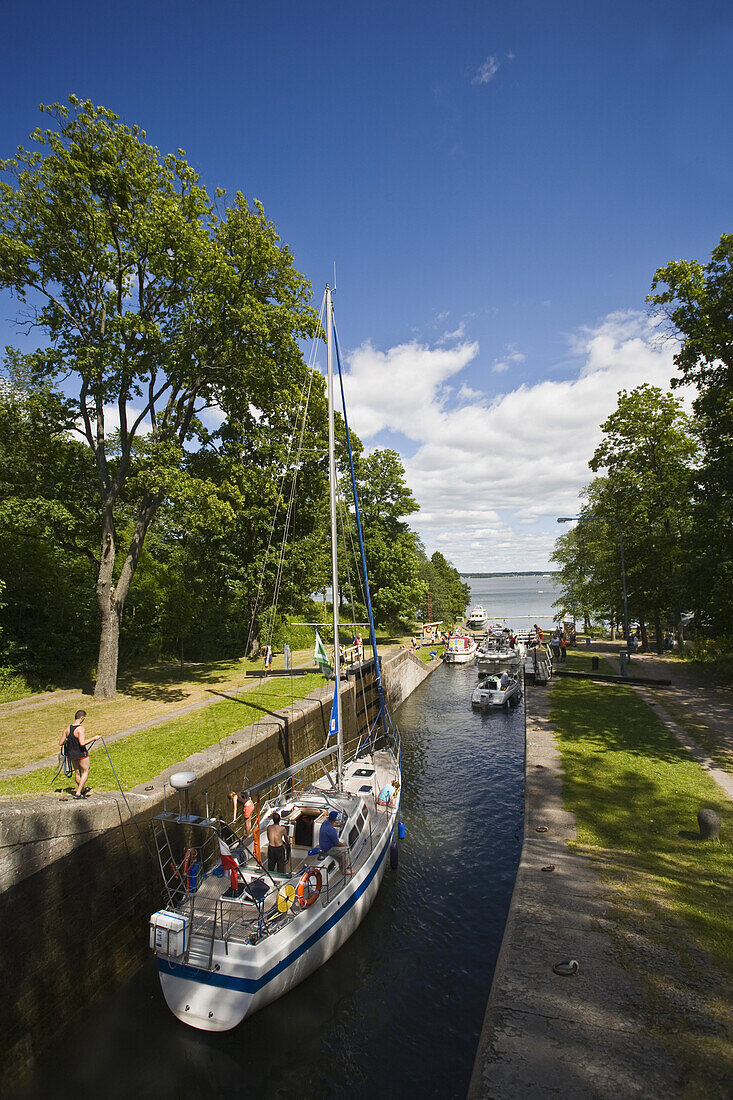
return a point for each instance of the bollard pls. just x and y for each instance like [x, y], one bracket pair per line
[624, 662]
[594, 664]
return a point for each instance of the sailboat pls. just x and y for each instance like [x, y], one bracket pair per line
[234, 936]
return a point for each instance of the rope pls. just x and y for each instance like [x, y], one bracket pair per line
[129, 808]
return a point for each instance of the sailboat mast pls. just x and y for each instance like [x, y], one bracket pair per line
[334, 543]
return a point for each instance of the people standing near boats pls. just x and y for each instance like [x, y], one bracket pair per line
[328, 841]
[278, 845]
[77, 749]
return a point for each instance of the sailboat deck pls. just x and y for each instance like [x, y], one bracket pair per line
[215, 914]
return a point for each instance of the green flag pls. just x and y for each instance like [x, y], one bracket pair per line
[320, 656]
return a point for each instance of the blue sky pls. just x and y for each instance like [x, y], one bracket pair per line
[496, 183]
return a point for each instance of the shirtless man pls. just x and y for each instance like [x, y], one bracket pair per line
[278, 845]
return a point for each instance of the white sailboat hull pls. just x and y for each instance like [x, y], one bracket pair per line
[244, 979]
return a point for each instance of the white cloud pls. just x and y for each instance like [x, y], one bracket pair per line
[487, 70]
[491, 474]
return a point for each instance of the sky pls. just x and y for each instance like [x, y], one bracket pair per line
[496, 184]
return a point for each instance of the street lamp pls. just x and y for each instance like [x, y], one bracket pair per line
[570, 519]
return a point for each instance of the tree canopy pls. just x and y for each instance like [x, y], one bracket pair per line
[157, 309]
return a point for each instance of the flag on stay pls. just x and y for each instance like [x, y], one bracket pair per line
[333, 724]
[229, 862]
[320, 656]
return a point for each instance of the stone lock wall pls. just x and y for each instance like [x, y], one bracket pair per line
[78, 882]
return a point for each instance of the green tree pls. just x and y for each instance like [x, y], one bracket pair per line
[449, 595]
[696, 300]
[391, 548]
[158, 308]
[48, 523]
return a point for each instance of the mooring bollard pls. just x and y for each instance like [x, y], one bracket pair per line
[594, 664]
[709, 823]
[623, 658]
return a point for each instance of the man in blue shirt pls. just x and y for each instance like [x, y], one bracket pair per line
[328, 840]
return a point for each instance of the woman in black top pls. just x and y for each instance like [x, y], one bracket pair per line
[77, 748]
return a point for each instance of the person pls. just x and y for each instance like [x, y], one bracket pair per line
[555, 646]
[634, 642]
[248, 808]
[504, 680]
[268, 657]
[278, 845]
[563, 648]
[328, 840]
[77, 748]
[359, 647]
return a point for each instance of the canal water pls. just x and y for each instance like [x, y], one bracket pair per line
[398, 1010]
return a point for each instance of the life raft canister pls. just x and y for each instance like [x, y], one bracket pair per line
[307, 893]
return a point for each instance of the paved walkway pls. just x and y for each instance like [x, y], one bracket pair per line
[546, 1035]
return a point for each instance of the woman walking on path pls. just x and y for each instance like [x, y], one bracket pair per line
[77, 749]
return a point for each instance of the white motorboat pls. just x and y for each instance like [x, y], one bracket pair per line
[234, 935]
[496, 691]
[476, 618]
[460, 649]
[496, 653]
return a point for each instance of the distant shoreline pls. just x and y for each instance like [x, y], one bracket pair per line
[529, 573]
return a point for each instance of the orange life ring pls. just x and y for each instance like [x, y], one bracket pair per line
[305, 885]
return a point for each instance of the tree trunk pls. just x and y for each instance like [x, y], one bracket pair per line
[106, 685]
[111, 599]
[658, 639]
[644, 635]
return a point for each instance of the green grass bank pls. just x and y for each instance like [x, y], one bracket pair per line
[636, 793]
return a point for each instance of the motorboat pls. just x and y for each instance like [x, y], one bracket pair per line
[476, 618]
[238, 929]
[460, 649]
[497, 653]
[496, 691]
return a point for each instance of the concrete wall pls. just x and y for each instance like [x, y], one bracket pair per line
[78, 880]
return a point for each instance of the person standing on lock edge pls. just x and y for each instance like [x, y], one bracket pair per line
[77, 748]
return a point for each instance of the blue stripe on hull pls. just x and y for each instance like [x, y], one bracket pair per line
[253, 985]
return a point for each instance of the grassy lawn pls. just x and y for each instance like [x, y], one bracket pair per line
[143, 696]
[636, 794]
[580, 660]
[142, 755]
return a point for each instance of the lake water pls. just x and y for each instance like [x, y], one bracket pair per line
[398, 1010]
[517, 602]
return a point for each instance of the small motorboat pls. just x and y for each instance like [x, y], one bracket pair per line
[496, 691]
[476, 618]
[497, 653]
[460, 649]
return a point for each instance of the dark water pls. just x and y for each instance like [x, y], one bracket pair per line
[398, 1010]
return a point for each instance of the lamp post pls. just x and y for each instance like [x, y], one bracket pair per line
[570, 519]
